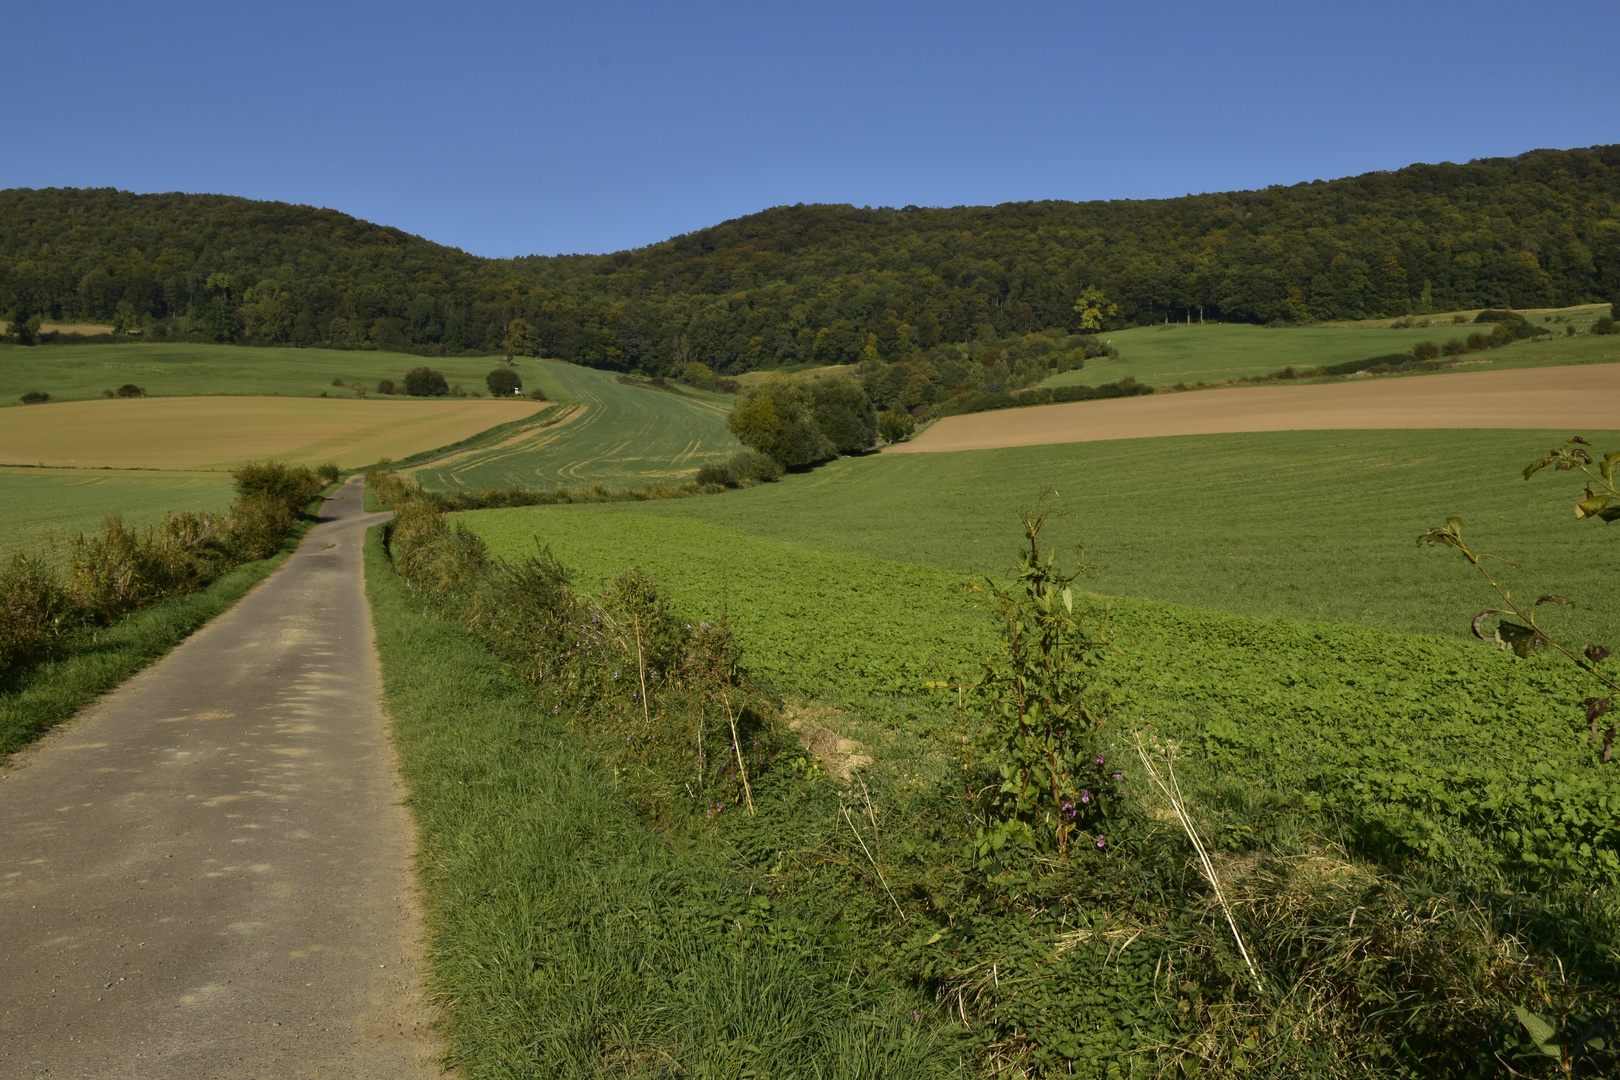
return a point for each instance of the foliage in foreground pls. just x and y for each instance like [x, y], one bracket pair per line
[1050, 957]
[568, 939]
[79, 666]
[119, 570]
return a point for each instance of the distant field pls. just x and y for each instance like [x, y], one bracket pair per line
[1305, 525]
[219, 433]
[1579, 397]
[624, 436]
[1215, 352]
[69, 372]
[42, 504]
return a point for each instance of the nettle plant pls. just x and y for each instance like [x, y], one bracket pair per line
[1043, 781]
[1601, 500]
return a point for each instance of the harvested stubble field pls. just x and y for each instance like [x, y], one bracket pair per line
[43, 505]
[219, 433]
[621, 435]
[1579, 398]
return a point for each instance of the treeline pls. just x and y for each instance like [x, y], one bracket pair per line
[829, 284]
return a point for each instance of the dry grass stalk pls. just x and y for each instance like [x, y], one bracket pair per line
[1172, 793]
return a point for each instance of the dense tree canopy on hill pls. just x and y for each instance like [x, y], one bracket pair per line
[828, 284]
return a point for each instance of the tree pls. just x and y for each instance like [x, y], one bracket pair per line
[844, 414]
[503, 382]
[425, 382]
[776, 418]
[518, 335]
[1093, 307]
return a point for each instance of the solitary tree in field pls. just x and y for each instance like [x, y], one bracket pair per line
[503, 382]
[425, 382]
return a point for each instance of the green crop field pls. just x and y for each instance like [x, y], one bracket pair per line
[69, 372]
[46, 504]
[623, 436]
[1285, 705]
[1305, 525]
[1214, 352]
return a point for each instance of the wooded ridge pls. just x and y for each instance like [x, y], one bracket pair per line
[827, 284]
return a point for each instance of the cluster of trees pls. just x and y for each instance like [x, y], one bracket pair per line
[797, 423]
[916, 383]
[829, 284]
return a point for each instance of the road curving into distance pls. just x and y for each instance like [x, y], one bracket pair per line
[208, 874]
[1576, 399]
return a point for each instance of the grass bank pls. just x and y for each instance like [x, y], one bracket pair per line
[567, 939]
[92, 662]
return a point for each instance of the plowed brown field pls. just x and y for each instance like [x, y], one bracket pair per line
[1572, 398]
[221, 432]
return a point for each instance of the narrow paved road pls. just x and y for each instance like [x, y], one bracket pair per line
[208, 874]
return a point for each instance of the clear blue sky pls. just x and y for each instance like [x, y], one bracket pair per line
[510, 129]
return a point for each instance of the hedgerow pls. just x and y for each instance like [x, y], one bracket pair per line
[119, 570]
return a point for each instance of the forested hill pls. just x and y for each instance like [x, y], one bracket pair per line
[829, 283]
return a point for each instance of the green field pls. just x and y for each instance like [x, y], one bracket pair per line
[46, 504]
[1318, 526]
[69, 372]
[1215, 352]
[1254, 694]
[623, 436]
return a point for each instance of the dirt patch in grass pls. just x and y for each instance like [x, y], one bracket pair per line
[221, 432]
[1573, 399]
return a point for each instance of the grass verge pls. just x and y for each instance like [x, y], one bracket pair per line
[567, 939]
[94, 662]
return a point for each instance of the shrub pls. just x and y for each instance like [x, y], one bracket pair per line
[1604, 325]
[328, 472]
[290, 486]
[1478, 341]
[130, 390]
[33, 605]
[743, 467]
[35, 397]
[386, 386]
[1388, 362]
[895, 426]
[338, 382]
[503, 382]
[1496, 315]
[1454, 347]
[535, 394]
[1426, 351]
[426, 382]
[700, 375]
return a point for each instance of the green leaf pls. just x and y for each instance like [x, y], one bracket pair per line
[1594, 506]
[1541, 1031]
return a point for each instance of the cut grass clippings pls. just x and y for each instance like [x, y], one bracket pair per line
[567, 939]
[95, 661]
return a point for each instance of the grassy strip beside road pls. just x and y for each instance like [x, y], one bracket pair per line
[567, 939]
[96, 661]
